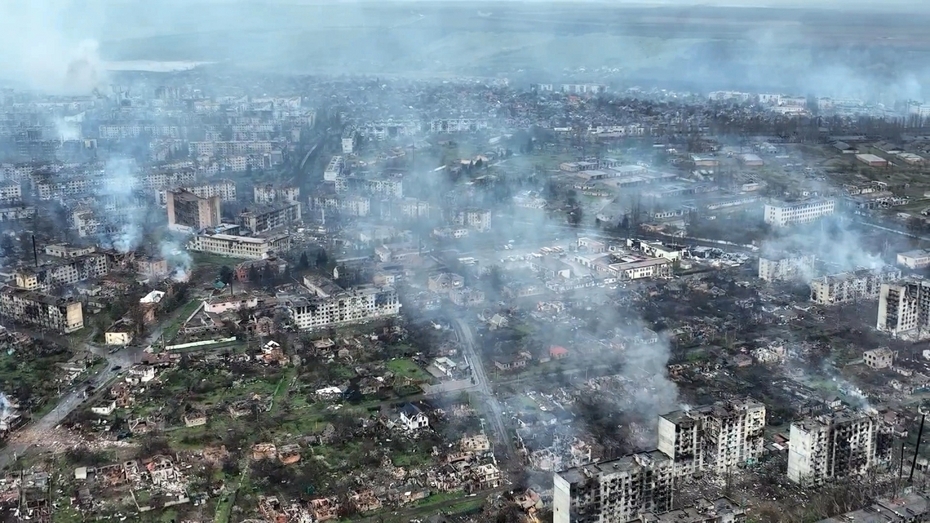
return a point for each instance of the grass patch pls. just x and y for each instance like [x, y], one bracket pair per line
[203, 258]
[171, 331]
[407, 369]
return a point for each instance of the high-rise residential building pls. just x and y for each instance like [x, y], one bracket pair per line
[713, 438]
[616, 490]
[831, 446]
[186, 209]
[862, 284]
[904, 307]
[785, 214]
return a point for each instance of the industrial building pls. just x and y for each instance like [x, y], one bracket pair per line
[785, 214]
[617, 490]
[187, 210]
[331, 305]
[872, 160]
[265, 218]
[56, 314]
[648, 268]
[713, 438]
[904, 307]
[846, 287]
[774, 267]
[831, 446]
[249, 247]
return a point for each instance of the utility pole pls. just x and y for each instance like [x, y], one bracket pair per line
[920, 432]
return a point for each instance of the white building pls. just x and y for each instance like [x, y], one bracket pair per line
[10, 193]
[356, 305]
[782, 215]
[247, 247]
[917, 259]
[615, 490]
[477, 219]
[904, 307]
[268, 194]
[829, 447]
[863, 284]
[334, 170]
[716, 438]
[635, 270]
[785, 268]
[390, 187]
[349, 137]
[412, 418]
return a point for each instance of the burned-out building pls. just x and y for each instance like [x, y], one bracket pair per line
[616, 490]
[904, 307]
[846, 287]
[59, 315]
[713, 438]
[831, 446]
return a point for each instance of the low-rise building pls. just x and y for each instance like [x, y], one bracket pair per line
[882, 358]
[784, 214]
[916, 259]
[634, 270]
[265, 218]
[785, 267]
[247, 247]
[356, 305]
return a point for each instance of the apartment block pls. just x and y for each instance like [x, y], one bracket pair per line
[785, 214]
[617, 490]
[66, 250]
[713, 438]
[247, 247]
[186, 209]
[829, 447]
[337, 306]
[74, 270]
[846, 287]
[774, 268]
[334, 169]
[260, 219]
[175, 178]
[720, 510]
[10, 193]
[904, 307]
[224, 189]
[349, 138]
[59, 315]
[477, 219]
[268, 194]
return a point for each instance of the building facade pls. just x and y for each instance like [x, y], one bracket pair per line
[846, 287]
[63, 316]
[714, 438]
[829, 447]
[617, 490]
[224, 189]
[186, 209]
[248, 247]
[356, 305]
[904, 307]
[787, 268]
[783, 215]
[266, 218]
[918, 259]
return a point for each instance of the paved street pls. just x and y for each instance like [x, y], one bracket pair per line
[492, 407]
[34, 434]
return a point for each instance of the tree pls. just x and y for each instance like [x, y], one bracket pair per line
[226, 274]
[253, 274]
[321, 258]
[304, 261]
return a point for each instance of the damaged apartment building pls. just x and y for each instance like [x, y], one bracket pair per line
[831, 446]
[56, 314]
[329, 304]
[68, 271]
[713, 439]
[775, 266]
[904, 308]
[849, 287]
[616, 490]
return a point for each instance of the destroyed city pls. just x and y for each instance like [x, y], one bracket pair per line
[448, 261]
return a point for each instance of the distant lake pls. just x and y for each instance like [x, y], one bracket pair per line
[152, 66]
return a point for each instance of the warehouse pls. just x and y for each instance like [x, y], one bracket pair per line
[872, 160]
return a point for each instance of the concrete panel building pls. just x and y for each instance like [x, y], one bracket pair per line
[829, 447]
[917, 259]
[342, 307]
[617, 490]
[248, 247]
[774, 267]
[904, 307]
[785, 214]
[260, 219]
[187, 210]
[847, 287]
[59, 315]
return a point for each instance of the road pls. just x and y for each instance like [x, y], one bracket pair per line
[32, 435]
[483, 387]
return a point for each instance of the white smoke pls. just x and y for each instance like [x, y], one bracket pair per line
[39, 47]
[6, 408]
[178, 258]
